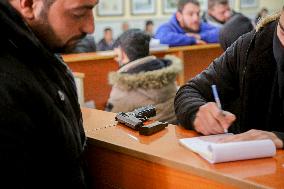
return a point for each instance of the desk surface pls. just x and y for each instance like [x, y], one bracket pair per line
[163, 148]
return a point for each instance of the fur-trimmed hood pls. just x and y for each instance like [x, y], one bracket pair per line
[147, 80]
[266, 20]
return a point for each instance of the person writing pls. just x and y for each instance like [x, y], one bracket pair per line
[185, 27]
[41, 130]
[250, 80]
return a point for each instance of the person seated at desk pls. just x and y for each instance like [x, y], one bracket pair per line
[262, 13]
[185, 27]
[124, 26]
[250, 80]
[218, 13]
[149, 27]
[143, 79]
[87, 44]
[106, 44]
[233, 29]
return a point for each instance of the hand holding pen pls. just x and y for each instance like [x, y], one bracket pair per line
[218, 102]
[211, 119]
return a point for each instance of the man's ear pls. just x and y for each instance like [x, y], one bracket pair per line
[179, 18]
[26, 8]
[124, 56]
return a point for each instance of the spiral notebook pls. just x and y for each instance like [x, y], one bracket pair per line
[208, 148]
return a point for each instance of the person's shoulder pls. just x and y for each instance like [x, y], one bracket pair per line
[172, 21]
[165, 25]
[102, 42]
[14, 74]
[10, 64]
[204, 16]
[267, 22]
[206, 26]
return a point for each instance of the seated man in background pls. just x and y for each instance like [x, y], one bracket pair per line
[143, 79]
[250, 81]
[185, 27]
[233, 29]
[124, 26]
[262, 13]
[149, 27]
[106, 44]
[87, 44]
[219, 12]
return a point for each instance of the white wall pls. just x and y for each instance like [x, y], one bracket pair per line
[159, 17]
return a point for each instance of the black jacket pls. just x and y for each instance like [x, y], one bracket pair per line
[244, 76]
[41, 134]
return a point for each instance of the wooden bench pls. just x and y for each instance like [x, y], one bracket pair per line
[96, 67]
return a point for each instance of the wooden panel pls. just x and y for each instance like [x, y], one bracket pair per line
[96, 85]
[116, 170]
[197, 60]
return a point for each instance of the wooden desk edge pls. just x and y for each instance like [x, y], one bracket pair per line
[226, 179]
[69, 58]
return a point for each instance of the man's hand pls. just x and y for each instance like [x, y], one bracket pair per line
[200, 42]
[195, 35]
[254, 135]
[211, 120]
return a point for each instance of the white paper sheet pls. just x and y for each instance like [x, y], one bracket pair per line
[213, 152]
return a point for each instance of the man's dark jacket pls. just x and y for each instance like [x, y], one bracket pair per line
[245, 77]
[41, 133]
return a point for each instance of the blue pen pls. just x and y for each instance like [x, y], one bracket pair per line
[217, 100]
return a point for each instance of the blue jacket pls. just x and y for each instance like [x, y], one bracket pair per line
[172, 34]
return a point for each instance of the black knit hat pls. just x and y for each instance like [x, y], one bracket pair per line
[233, 29]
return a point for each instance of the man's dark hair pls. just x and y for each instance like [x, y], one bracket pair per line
[107, 29]
[135, 43]
[212, 3]
[149, 22]
[181, 4]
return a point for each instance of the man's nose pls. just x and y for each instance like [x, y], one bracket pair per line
[196, 18]
[89, 25]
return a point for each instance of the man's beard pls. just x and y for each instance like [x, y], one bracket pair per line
[50, 39]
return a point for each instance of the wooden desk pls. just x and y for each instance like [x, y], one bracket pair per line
[96, 67]
[119, 157]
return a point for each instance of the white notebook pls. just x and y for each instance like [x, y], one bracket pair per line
[213, 152]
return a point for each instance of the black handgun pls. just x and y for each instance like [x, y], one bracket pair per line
[143, 113]
[137, 117]
[152, 128]
[129, 121]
